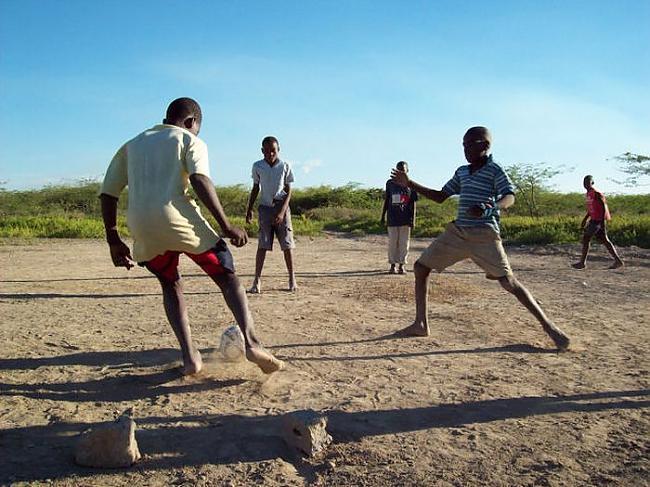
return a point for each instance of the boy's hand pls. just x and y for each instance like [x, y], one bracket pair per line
[399, 177]
[249, 216]
[238, 236]
[480, 210]
[279, 218]
[121, 255]
[382, 221]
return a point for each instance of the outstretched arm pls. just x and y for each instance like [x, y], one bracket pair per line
[205, 191]
[401, 178]
[251, 201]
[120, 252]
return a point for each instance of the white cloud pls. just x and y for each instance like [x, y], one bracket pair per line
[307, 166]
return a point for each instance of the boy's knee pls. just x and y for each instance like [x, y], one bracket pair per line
[226, 280]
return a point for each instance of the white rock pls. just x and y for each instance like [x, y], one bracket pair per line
[110, 445]
[305, 432]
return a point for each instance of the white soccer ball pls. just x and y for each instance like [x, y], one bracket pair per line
[232, 345]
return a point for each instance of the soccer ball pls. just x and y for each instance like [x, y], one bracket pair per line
[232, 344]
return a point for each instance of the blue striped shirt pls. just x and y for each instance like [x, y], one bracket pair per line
[487, 185]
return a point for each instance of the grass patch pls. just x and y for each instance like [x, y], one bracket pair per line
[73, 211]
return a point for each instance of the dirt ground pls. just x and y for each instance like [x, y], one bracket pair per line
[484, 401]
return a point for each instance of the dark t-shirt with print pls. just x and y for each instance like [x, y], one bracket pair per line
[401, 204]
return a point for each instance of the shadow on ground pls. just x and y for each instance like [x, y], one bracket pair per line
[186, 441]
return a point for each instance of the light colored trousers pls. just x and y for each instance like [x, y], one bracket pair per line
[398, 244]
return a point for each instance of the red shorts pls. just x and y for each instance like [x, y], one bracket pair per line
[217, 260]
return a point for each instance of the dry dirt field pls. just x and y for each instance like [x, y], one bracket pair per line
[484, 401]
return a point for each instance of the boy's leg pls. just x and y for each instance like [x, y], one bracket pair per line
[265, 216]
[393, 236]
[260, 256]
[165, 268]
[604, 239]
[284, 232]
[404, 237]
[176, 310]
[513, 286]
[420, 327]
[235, 297]
[447, 249]
[288, 260]
[586, 242]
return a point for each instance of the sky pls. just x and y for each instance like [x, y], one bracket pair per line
[348, 87]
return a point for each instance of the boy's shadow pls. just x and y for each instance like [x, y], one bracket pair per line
[170, 443]
[117, 389]
[113, 359]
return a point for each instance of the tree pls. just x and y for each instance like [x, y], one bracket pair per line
[636, 166]
[530, 180]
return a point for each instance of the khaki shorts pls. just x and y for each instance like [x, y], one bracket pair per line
[481, 244]
[268, 230]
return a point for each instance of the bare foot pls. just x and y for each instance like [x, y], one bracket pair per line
[401, 270]
[264, 360]
[561, 340]
[578, 265]
[293, 287]
[392, 269]
[413, 330]
[617, 264]
[256, 288]
[193, 365]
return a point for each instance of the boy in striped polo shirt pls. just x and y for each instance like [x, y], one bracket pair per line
[484, 190]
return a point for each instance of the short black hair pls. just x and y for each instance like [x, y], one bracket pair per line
[182, 108]
[400, 165]
[588, 177]
[269, 139]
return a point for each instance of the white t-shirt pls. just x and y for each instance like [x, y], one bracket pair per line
[272, 180]
[156, 166]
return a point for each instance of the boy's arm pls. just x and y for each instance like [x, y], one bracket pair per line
[285, 205]
[384, 209]
[120, 252]
[415, 207]
[251, 201]
[584, 220]
[205, 191]
[401, 178]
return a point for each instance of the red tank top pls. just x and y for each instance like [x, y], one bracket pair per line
[594, 208]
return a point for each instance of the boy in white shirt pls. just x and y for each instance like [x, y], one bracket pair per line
[157, 166]
[272, 178]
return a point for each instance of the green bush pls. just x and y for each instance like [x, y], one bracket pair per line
[73, 211]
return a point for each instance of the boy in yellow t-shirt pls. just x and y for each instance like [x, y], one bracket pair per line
[157, 166]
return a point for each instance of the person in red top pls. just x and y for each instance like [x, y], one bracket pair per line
[597, 216]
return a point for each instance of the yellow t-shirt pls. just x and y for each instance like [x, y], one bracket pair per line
[156, 166]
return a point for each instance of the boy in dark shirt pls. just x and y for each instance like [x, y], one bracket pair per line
[399, 204]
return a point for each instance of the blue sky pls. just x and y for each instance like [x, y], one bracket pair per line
[349, 87]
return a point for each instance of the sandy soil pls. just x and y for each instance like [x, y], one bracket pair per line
[484, 401]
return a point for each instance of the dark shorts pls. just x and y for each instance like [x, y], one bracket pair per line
[283, 231]
[596, 228]
[217, 260]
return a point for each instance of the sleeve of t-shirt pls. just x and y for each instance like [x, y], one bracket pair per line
[288, 178]
[196, 157]
[502, 183]
[255, 175]
[414, 195]
[453, 185]
[116, 177]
